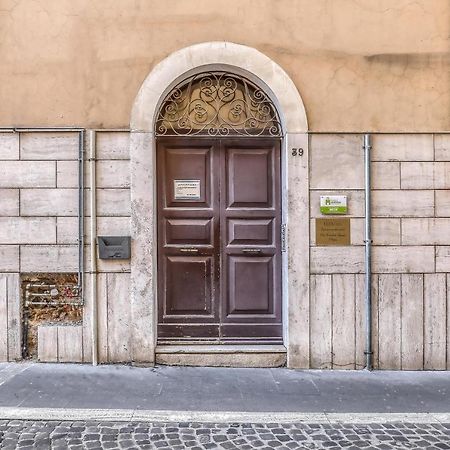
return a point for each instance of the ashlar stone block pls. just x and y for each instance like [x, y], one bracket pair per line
[426, 231]
[402, 147]
[27, 174]
[27, 230]
[113, 174]
[386, 231]
[9, 202]
[67, 230]
[443, 203]
[403, 259]
[49, 202]
[442, 147]
[385, 175]
[48, 145]
[48, 258]
[337, 162]
[9, 258]
[113, 202]
[67, 174]
[113, 144]
[429, 175]
[337, 260]
[443, 259]
[442, 175]
[9, 146]
[417, 175]
[70, 343]
[403, 203]
[48, 343]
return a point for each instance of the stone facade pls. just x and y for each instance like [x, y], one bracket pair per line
[39, 234]
[411, 253]
[410, 281]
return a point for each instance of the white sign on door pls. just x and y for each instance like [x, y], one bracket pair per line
[186, 189]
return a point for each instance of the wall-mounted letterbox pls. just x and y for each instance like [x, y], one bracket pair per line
[114, 247]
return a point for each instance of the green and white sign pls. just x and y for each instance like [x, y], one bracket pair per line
[333, 204]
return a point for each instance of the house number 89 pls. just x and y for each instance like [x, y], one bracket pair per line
[297, 152]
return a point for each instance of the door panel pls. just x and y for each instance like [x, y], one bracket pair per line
[248, 177]
[251, 257]
[250, 286]
[188, 164]
[219, 259]
[250, 231]
[188, 231]
[189, 284]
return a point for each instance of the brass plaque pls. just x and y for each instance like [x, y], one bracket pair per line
[333, 231]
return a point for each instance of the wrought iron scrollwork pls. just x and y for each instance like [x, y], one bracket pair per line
[217, 104]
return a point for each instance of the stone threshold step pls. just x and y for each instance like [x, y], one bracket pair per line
[201, 349]
[221, 355]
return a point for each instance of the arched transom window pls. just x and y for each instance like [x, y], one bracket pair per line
[217, 104]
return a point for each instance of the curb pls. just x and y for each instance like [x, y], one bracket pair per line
[135, 415]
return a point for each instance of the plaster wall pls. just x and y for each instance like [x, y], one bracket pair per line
[359, 65]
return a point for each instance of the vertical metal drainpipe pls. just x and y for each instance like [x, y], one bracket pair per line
[81, 212]
[368, 253]
[93, 244]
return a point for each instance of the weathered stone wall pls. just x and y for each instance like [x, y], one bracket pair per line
[39, 229]
[359, 65]
[411, 253]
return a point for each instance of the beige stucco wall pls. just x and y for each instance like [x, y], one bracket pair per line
[360, 65]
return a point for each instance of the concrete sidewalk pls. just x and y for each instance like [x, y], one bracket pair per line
[193, 389]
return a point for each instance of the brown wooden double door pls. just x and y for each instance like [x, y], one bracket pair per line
[219, 255]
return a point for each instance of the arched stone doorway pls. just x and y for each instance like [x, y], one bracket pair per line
[219, 213]
[259, 70]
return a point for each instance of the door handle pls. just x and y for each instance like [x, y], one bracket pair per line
[189, 250]
[251, 250]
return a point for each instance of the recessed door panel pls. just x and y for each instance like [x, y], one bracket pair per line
[251, 286]
[189, 286]
[249, 180]
[250, 231]
[184, 165]
[188, 231]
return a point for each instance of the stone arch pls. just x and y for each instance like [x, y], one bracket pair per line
[190, 59]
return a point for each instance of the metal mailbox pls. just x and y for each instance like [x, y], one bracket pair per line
[114, 247]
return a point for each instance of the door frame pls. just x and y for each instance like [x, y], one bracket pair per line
[272, 79]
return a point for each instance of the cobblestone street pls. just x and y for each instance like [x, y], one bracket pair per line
[121, 435]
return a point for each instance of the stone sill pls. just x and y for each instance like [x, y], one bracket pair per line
[222, 355]
[202, 349]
